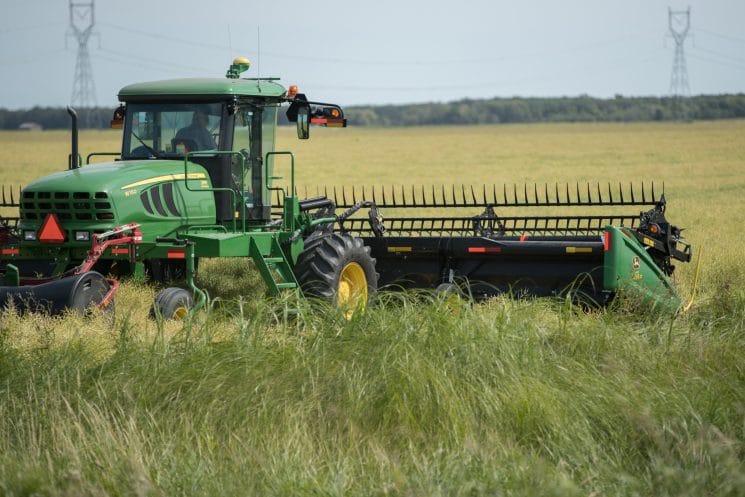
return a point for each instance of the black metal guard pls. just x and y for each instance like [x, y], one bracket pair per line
[476, 226]
[495, 218]
[505, 196]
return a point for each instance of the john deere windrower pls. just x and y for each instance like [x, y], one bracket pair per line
[195, 179]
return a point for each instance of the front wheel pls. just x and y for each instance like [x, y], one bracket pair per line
[172, 303]
[339, 269]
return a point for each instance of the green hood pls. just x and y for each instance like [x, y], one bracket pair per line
[116, 177]
[151, 193]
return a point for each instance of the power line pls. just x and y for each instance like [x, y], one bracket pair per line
[147, 63]
[157, 36]
[27, 59]
[734, 60]
[376, 62]
[722, 36]
[588, 69]
[35, 27]
[696, 56]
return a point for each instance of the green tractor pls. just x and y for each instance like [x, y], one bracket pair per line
[195, 179]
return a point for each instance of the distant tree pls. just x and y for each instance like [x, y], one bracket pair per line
[465, 111]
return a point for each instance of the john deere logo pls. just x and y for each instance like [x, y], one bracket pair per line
[635, 262]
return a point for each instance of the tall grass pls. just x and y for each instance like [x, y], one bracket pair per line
[414, 398]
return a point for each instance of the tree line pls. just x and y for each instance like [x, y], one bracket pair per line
[466, 111]
[562, 109]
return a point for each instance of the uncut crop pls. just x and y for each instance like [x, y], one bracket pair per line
[419, 396]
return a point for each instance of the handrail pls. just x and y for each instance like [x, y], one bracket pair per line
[267, 178]
[233, 196]
[93, 154]
[288, 216]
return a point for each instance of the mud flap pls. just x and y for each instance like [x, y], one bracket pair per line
[78, 293]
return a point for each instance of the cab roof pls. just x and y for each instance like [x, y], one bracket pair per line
[199, 88]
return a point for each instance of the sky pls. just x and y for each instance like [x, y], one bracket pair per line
[376, 52]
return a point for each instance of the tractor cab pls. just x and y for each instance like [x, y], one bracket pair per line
[228, 137]
[226, 125]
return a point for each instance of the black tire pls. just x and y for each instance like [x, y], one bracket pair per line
[88, 292]
[79, 293]
[339, 269]
[172, 303]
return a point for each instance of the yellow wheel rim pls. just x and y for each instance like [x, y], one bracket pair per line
[352, 291]
[180, 313]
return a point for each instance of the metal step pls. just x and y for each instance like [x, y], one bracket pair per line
[273, 267]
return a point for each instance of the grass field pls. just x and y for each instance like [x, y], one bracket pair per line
[415, 398]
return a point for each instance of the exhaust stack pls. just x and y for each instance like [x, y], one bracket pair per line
[74, 161]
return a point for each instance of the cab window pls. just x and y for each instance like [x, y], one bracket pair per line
[157, 130]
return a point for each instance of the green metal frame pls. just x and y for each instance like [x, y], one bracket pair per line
[627, 267]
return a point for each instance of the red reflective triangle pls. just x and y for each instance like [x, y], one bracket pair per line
[51, 230]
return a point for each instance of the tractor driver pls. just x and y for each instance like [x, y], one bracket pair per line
[197, 132]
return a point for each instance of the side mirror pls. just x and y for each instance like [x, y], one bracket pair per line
[303, 122]
[305, 113]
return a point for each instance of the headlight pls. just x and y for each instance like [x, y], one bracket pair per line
[82, 236]
[29, 236]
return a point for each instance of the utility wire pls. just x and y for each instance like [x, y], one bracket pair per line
[172, 39]
[719, 35]
[30, 28]
[137, 64]
[586, 69]
[368, 62]
[719, 62]
[29, 59]
[136, 59]
[719, 54]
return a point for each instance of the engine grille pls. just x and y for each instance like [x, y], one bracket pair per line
[68, 206]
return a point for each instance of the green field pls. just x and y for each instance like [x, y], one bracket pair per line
[417, 397]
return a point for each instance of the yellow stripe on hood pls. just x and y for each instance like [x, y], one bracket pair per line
[165, 177]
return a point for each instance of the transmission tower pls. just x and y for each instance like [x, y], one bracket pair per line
[679, 22]
[82, 21]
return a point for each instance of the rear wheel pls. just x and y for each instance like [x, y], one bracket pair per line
[339, 269]
[172, 303]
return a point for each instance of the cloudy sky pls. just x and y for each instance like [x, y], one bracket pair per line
[376, 52]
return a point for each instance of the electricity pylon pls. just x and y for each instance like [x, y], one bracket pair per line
[679, 22]
[82, 21]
